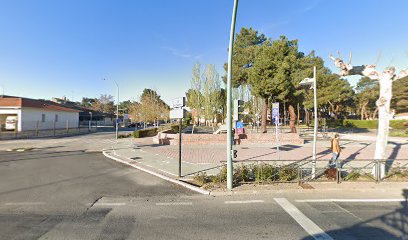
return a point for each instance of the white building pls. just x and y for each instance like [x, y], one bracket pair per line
[35, 114]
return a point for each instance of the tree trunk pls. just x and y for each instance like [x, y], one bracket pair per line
[292, 122]
[374, 113]
[363, 111]
[384, 115]
[284, 113]
[307, 118]
[298, 114]
[264, 115]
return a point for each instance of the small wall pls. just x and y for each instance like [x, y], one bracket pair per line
[250, 138]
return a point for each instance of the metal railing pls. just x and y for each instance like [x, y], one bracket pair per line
[36, 129]
[302, 171]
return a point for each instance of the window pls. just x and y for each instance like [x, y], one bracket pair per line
[56, 117]
[43, 117]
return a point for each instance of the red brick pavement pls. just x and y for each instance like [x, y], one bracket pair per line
[217, 153]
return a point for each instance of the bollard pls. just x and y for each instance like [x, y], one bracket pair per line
[377, 172]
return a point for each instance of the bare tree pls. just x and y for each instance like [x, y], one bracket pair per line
[385, 80]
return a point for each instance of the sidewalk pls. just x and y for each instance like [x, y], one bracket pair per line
[163, 160]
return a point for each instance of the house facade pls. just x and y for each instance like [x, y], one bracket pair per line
[33, 114]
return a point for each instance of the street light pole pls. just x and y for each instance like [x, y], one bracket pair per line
[117, 111]
[229, 98]
[315, 124]
[308, 82]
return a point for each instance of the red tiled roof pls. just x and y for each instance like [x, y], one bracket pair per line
[11, 101]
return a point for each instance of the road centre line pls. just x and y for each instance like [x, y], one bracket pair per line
[23, 203]
[373, 200]
[243, 202]
[174, 203]
[308, 225]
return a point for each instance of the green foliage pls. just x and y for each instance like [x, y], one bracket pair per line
[288, 173]
[221, 176]
[125, 135]
[266, 172]
[243, 173]
[150, 132]
[175, 127]
[201, 178]
[400, 95]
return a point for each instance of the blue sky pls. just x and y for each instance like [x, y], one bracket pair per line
[51, 48]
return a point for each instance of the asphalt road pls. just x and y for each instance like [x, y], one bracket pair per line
[62, 190]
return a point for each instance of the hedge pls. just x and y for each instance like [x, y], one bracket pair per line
[175, 127]
[150, 132]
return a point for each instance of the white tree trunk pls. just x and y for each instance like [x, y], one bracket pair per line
[384, 116]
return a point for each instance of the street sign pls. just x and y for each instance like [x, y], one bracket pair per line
[118, 120]
[177, 113]
[179, 102]
[275, 112]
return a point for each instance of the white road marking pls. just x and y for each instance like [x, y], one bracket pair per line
[374, 200]
[243, 202]
[149, 165]
[167, 172]
[23, 203]
[109, 204]
[174, 203]
[308, 225]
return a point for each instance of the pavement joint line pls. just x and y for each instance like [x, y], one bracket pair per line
[174, 204]
[308, 225]
[23, 203]
[368, 200]
[243, 202]
[109, 204]
[186, 185]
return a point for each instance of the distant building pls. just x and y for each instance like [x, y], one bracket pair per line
[32, 114]
[86, 114]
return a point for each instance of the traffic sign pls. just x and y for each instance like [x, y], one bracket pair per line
[275, 112]
[179, 102]
[177, 113]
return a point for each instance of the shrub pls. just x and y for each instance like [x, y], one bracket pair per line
[243, 173]
[124, 135]
[150, 132]
[201, 178]
[175, 127]
[266, 172]
[288, 173]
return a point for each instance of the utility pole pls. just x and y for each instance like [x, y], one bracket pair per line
[117, 112]
[230, 168]
[315, 124]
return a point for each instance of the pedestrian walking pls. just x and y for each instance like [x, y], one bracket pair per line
[335, 148]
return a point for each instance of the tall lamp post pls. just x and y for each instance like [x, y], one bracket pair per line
[117, 110]
[312, 82]
[229, 98]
